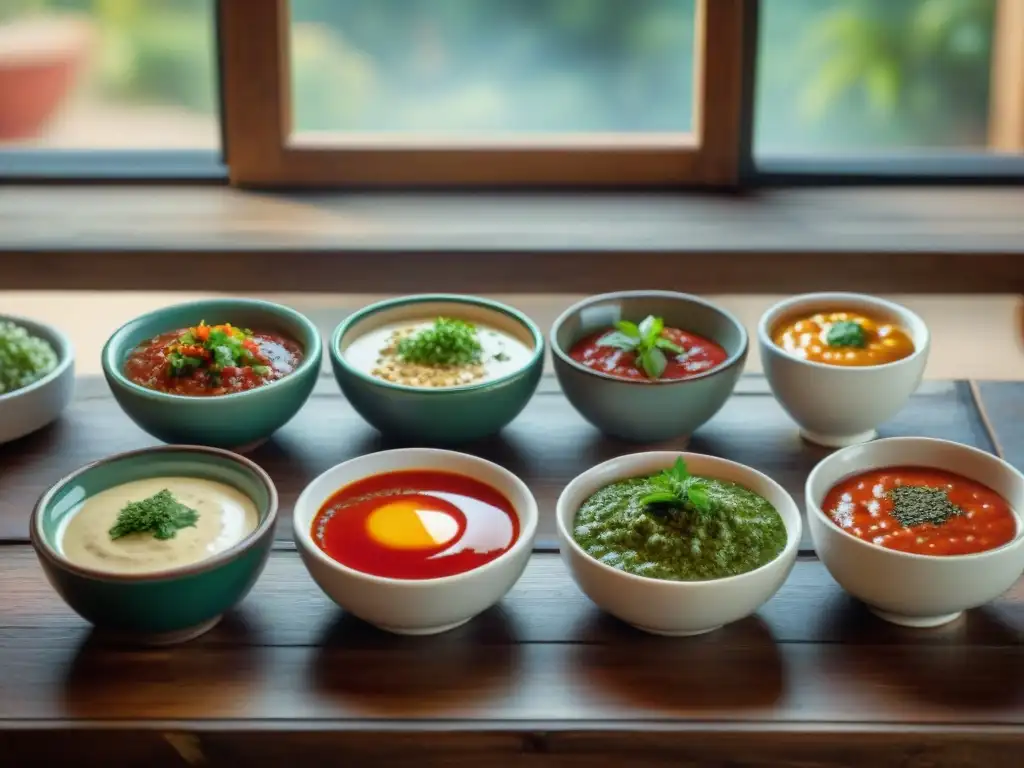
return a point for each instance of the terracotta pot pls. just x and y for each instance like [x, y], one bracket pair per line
[40, 59]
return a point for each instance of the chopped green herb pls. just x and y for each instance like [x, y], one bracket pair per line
[918, 504]
[24, 359]
[161, 514]
[846, 333]
[646, 341]
[675, 490]
[446, 342]
[501, 357]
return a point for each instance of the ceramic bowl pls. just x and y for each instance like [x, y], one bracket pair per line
[675, 608]
[647, 411]
[239, 421]
[169, 606]
[415, 607]
[909, 589]
[447, 415]
[30, 408]
[836, 405]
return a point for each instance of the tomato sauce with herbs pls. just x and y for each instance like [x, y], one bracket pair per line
[416, 524]
[198, 368]
[699, 356]
[863, 507]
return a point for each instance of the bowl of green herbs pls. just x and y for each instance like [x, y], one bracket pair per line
[37, 376]
[438, 368]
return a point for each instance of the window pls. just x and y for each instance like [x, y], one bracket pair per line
[482, 91]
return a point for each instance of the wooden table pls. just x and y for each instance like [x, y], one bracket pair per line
[544, 678]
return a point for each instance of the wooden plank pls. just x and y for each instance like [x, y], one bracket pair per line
[547, 445]
[287, 609]
[1003, 405]
[1006, 89]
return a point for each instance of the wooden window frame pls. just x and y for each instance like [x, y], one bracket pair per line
[255, 76]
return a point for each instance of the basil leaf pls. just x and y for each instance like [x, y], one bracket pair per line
[628, 328]
[679, 472]
[651, 328]
[669, 346]
[653, 362]
[660, 497]
[619, 340]
[698, 496]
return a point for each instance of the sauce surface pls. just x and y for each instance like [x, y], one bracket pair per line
[376, 353]
[226, 516]
[862, 507]
[745, 533]
[417, 524]
[699, 356]
[805, 337]
[148, 366]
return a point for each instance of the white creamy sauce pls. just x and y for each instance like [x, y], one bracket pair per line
[226, 516]
[502, 354]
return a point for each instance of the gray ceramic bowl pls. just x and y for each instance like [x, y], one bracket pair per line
[30, 408]
[238, 421]
[647, 411]
[170, 606]
[447, 415]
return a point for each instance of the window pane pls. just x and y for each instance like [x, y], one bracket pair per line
[858, 76]
[108, 74]
[546, 66]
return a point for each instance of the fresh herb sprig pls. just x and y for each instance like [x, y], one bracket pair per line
[447, 342]
[161, 514]
[674, 490]
[846, 333]
[646, 341]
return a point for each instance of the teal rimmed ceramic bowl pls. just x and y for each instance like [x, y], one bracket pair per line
[448, 415]
[168, 606]
[238, 421]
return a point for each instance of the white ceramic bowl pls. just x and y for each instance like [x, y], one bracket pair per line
[26, 410]
[675, 607]
[416, 607]
[837, 405]
[908, 589]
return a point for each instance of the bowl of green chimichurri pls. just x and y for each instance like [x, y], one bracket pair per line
[677, 543]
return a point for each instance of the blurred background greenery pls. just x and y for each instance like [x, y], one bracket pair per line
[833, 75]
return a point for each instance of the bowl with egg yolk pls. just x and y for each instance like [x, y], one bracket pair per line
[841, 364]
[154, 546]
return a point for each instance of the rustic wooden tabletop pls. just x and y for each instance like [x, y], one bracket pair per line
[542, 679]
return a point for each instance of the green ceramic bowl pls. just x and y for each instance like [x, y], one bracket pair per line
[648, 411]
[238, 421]
[447, 415]
[170, 606]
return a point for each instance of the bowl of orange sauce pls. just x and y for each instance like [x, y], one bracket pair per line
[919, 529]
[840, 364]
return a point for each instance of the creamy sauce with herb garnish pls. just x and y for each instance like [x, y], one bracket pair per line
[439, 352]
[151, 525]
[679, 527]
[844, 338]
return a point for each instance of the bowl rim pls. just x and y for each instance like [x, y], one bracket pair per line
[789, 551]
[737, 358]
[527, 528]
[47, 550]
[63, 347]
[312, 356]
[424, 298]
[907, 317]
[814, 507]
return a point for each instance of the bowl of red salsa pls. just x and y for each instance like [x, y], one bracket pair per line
[919, 529]
[221, 372]
[648, 365]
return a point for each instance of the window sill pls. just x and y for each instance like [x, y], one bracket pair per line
[905, 239]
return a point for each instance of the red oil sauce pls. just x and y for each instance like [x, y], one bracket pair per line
[148, 366]
[700, 355]
[417, 524]
[860, 505]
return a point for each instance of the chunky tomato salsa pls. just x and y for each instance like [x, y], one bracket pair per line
[648, 351]
[212, 360]
[922, 511]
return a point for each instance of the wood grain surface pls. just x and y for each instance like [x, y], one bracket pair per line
[542, 679]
